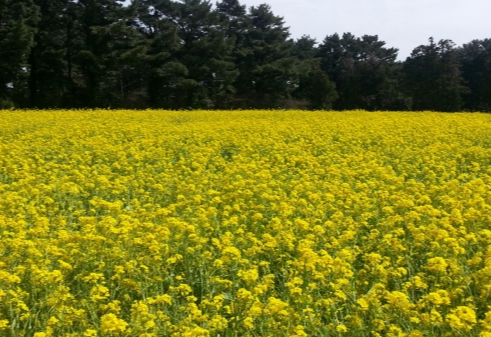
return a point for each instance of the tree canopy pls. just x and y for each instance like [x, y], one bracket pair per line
[187, 54]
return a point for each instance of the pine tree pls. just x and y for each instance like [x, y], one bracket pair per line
[433, 77]
[48, 76]
[314, 86]
[268, 72]
[18, 19]
[206, 52]
[362, 69]
[475, 58]
[189, 55]
[111, 46]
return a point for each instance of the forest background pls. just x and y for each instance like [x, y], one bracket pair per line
[195, 54]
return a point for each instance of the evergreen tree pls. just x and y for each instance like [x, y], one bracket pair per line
[162, 73]
[433, 77]
[362, 69]
[189, 58]
[314, 86]
[206, 52]
[48, 76]
[233, 16]
[18, 19]
[233, 19]
[190, 54]
[110, 47]
[268, 71]
[475, 58]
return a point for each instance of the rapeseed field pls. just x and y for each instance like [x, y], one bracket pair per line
[244, 223]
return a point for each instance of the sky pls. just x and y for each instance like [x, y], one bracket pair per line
[403, 24]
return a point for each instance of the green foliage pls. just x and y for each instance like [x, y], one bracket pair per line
[475, 58]
[363, 70]
[189, 54]
[18, 19]
[314, 86]
[433, 77]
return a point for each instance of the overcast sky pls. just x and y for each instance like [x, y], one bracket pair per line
[404, 24]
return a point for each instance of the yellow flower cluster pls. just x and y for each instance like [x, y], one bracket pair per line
[244, 223]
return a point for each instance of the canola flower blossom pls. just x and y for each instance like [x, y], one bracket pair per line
[244, 223]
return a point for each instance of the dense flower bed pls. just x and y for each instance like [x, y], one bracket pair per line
[245, 223]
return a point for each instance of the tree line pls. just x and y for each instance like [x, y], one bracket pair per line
[191, 54]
